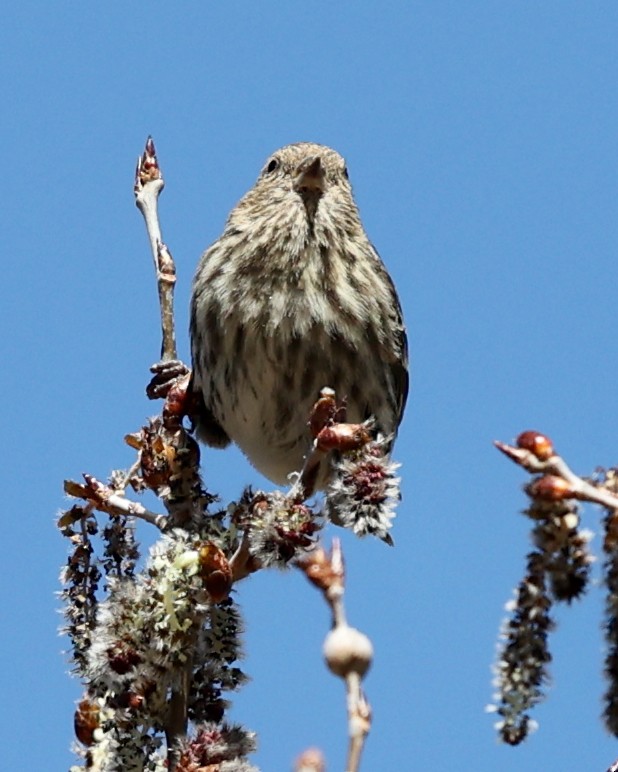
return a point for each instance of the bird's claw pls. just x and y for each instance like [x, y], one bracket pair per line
[165, 374]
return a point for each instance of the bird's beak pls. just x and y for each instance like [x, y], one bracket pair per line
[310, 177]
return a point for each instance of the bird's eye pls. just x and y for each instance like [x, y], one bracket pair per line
[273, 165]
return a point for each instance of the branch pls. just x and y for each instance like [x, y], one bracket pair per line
[176, 724]
[148, 186]
[105, 499]
[347, 651]
[558, 570]
[167, 638]
[242, 562]
[535, 453]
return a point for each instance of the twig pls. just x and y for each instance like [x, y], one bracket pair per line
[103, 498]
[348, 652]
[359, 721]
[148, 186]
[131, 471]
[554, 464]
[327, 423]
[304, 485]
[176, 724]
[558, 570]
[334, 593]
[359, 710]
[242, 563]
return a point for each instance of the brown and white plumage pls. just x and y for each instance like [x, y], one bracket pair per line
[292, 298]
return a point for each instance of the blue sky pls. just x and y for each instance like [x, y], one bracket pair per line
[481, 143]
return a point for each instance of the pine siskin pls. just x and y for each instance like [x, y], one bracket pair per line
[290, 299]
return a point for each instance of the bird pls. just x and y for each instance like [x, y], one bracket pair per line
[292, 298]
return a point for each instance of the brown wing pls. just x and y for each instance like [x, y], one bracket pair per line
[205, 425]
[395, 350]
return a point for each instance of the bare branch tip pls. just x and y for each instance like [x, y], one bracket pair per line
[508, 450]
[336, 557]
[501, 445]
[147, 169]
[311, 760]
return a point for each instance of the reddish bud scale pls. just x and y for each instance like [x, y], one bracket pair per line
[322, 576]
[319, 569]
[176, 402]
[201, 754]
[134, 440]
[538, 444]
[135, 701]
[343, 437]
[550, 488]
[86, 720]
[215, 571]
[326, 411]
[322, 414]
[156, 459]
[218, 586]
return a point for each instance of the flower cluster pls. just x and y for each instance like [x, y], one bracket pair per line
[558, 570]
[565, 547]
[364, 491]
[80, 578]
[277, 527]
[521, 669]
[111, 745]
[151, 631]
[219, 747]
[610, 546]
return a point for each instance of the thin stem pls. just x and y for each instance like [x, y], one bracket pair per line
[148, 186]
[359, 721]
[327, 572]
[556, 465]
[104, 499]
[240, 562]
[304, 486]
[176, 728]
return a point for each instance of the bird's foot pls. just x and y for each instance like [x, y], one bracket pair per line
[166, 374]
